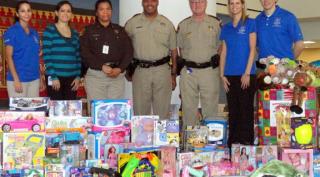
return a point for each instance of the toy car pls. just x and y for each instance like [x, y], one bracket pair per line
[21, 124]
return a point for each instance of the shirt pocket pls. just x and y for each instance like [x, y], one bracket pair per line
[187, 39]
[95, 42]
[162, 36]
[211, 37]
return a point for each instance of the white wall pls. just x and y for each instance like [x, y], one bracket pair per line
[175, 10]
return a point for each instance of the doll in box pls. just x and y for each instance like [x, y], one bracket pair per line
[145, 131]
[112, 157]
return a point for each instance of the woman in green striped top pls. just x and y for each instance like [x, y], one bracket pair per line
[61, 55]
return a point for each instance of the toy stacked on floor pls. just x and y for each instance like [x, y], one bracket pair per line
[23, 137]
[111, 128]
[287, 111]
[65, 137]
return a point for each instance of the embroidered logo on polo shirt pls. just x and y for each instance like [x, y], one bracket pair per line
[242, 30]
[277, 22]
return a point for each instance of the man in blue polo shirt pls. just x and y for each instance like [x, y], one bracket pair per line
[278, 32]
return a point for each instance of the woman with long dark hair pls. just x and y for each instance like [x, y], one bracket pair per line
[22, 55]
[61, 55]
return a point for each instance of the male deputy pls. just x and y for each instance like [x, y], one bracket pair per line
[198, 41]
[154, 41]
[278, 32]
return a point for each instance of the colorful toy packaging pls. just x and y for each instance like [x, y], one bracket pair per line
[273, 108]
[29, 104]
[13, 121]
[166, 133]
[55, 170]
[65, 108]
[60, 124]
[184, 159]
[247, 160]
[168, 161]
[220, 155]
[23, 150]
[139, 164]
[217, 131]
[235, 157]
[265, 154]
[222, 168]
[99, 144]
[304, 132]
[195, 136]
[108, 114]
[302, 160]
[142, 130]
[316, 164]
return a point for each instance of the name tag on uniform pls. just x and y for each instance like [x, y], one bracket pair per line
[105, 49]
[49, 81]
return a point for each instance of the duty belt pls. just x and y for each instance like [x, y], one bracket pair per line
[192, 64]
[148, 64]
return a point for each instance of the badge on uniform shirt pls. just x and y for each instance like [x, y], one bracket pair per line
[105, 49]
[242, 30]
[162, 24]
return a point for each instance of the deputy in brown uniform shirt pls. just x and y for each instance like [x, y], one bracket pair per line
[107, 51]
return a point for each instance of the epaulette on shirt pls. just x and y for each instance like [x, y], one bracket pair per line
[132, 18]
[219, 20]
[182, 22]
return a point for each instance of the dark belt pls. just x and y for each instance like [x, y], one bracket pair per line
[192, 64]
[148, 64]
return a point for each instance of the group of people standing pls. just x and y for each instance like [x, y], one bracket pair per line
[150, 44]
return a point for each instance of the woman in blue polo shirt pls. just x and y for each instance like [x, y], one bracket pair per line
[22, 55]
[238, 72]
[61, 55]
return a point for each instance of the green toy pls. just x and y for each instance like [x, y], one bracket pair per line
[277, 168]
[303, 134]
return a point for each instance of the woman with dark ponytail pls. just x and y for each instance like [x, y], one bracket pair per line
[22, 55]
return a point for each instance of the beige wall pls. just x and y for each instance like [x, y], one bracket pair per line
[310, 55]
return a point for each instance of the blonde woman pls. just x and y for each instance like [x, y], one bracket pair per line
[237, 71]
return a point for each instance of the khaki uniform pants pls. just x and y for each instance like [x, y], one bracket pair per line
[99, 86]
[29, 89]
[152, 89]
[203, 83]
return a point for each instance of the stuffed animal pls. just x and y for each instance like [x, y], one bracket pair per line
[276, 168]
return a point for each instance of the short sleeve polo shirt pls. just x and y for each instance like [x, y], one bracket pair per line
[277, 33]
[25, 52]
[237, 41]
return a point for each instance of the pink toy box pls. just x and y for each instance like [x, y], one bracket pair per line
[302, 160]
[13, 121]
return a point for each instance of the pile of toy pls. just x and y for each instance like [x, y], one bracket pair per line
[42, 137]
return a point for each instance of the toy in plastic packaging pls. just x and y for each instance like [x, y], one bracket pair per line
[142, 130]
[65, 108]
[29, 104]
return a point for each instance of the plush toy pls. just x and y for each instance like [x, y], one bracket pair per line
[278, 73]
[276, 168]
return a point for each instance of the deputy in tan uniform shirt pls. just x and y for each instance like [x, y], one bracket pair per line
[154, 41]
[198, 42]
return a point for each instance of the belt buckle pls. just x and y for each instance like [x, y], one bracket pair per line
[144, 65]
[198, 64]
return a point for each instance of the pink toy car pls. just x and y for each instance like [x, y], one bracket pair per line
[30, 124]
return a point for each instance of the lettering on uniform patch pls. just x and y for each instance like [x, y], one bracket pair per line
[242, 30]
[277, 22]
